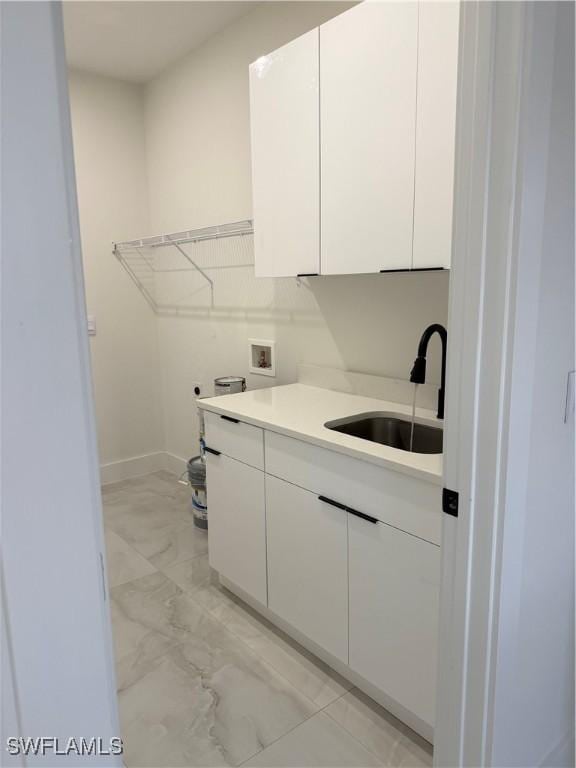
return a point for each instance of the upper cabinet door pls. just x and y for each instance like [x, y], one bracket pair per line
[368, 58]
[435, 133]
[285, 159]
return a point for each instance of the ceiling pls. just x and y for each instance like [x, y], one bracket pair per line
[134, 40]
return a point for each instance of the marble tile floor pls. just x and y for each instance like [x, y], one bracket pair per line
[202, 679]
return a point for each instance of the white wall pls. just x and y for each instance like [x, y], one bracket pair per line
[53, 591]
[197, 121]
[173, 155]
[506, 673]
[534, 689]
[109, 148]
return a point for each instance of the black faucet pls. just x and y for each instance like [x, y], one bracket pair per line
[418, 372]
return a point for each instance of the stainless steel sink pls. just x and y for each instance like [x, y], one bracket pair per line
[389, 429]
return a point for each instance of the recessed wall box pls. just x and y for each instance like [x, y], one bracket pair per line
[262, 357]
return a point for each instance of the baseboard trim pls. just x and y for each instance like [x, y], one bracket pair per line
[117, 471]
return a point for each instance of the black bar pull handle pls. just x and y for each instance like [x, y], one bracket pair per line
[229, 418]
[362, 515]
[333, 503]
[351, 511]
[213, 451]
[413, 269]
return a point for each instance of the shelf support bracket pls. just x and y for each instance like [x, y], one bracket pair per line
[198, 269]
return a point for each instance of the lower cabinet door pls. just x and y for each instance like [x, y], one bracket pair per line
[394, 595]
[307, 564]
[237, 523]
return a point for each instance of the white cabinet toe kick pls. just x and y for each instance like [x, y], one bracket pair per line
[341, 554]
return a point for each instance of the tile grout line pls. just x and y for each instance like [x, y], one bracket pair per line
[310, 717]
[251, 651]
[177, 562]
[178, 644]
[366, 747]
[247, 647]
[269, 664]
[404, 738]
[231, 632]
[212, 616]
[306, 719]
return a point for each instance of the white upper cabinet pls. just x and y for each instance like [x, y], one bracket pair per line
[435, 133]
[285, 159]
[353, 133]
[368, 59]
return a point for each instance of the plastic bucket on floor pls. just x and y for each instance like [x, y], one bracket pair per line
[199, 508]
[196, 470]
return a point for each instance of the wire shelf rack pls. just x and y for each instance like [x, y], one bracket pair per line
[152, 261]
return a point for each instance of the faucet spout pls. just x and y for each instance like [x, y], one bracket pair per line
[418, 372]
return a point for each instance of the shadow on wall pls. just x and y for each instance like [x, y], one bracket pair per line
[215, 280]
[365, 323]
[375, 321]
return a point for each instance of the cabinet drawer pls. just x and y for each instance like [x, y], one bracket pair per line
[236, 439]
[407, 503]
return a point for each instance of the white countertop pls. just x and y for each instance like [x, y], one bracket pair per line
[300, 411]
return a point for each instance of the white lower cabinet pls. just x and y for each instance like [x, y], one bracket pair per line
[307, 564]
[358, 588]
[394, 599]
[237, 526]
